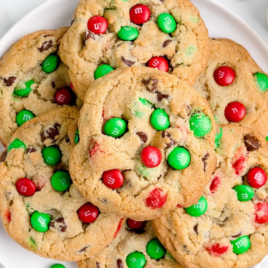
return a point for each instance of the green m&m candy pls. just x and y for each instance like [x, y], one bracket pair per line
[50, 64]
[40, 221]
[244, 192]
[200, 124]
[135, 260]
[241, 245]
[160, 120]
[218, 138]
[57, 266]
[128, 33]
[198, 209]
[179, 158]
[61, 181]
[155, 249]
[102, 70]
[24, 116]
[145, 102]
[24, 91]
[166, 23]
[51, 155]
[115, 127]
[16, 144]
[261, 81]
[76, 137]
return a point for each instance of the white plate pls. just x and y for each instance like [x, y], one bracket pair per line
[57, 13]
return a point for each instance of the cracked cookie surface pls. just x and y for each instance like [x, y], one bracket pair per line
[122, 253]
[113, 171]
[40, 207]
[233, 231]
[33, 80]
[183, 52]
[233, 77]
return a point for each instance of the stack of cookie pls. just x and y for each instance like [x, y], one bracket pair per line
[166, 162]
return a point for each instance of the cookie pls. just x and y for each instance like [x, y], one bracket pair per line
[40, 207]
[228, 227]
[146, 144]
[33, 80]
[135, 246]
[168, 35]
[235, 86]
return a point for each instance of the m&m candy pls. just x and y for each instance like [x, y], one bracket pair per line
[57, 266]
[198, 209]
[241, 245]
[25, 187]
[160, 120]
[155, 249]
[24, 116]
[224, 76]
[139, 14]
[51, 155]
[40, 221]
[88, 213]
[113, 179]
[97, 25]
[64, 96]
[244, 193]
[261, 80]
[136, 260]
[76, 137]
[235, 112]
[200, 124]
[102, 70]
[159, 63]
[128, 33]
[16, 144]
[135, 225]
[166, 23]
[51, 63]
[24, 91]
[115, 127]
[61, 180]
[256, 177]
[156, 199]
[179, 158]
[261, 212]
[151, 156]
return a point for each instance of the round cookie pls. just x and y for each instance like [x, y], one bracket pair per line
[166, 34]
[228, 227]
[133, 248]
[137, 155]
[40, 207]
[33, 80]
[235, 86]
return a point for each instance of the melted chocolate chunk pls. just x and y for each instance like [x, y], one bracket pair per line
[3, 156]
[46, 46]
[50, 133]
[89, 35]
[196, 229]
[238, 235]
[161, 96]
[53, 84]
[165, 134]
[119, 264]
[83, 249]
[204, 159]
[30, 150]
[166, 43]
[97, 265]
[129, 63]
[251, 142]
[9, 81]
[151, 84]
[57, 126]
[59, 224]
[142, 136]
[170, 144]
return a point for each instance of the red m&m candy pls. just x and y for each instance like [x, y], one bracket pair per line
[261, 212]
[156, 199]
[88, 213]
[151, 157]
[135, 225]
[139, 14]
[256, 177]
[25, 187]
[224, 76]
[159, 63]
[97, 25]
[64, 96]
[113, 179]
[217, 249]
[235, 112]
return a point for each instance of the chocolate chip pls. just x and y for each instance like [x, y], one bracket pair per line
[60, 220]
[235, 236]
[9, 81]
[84, 249]
[46, 46]
[204, 159]
[166, 43]
[127, 62]
[119, 264]
[57, 126]
[50, 133]
[3, 156]
[52, 224]
[161, 96]
[97, 265]
[53, 84]
[165, 134]
[142, 136]
[30, 150]
[151, 84]
[89, 35]
[196, 229]
[251, 142]
[170, 144]
[59, 224]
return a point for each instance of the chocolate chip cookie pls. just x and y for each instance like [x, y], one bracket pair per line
[33, 80]
[146, 144]
[135, 246]
[40, 207]
[235, 86]
[228, 227]
[168, 35]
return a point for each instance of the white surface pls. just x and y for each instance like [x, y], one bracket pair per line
[56, 13]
